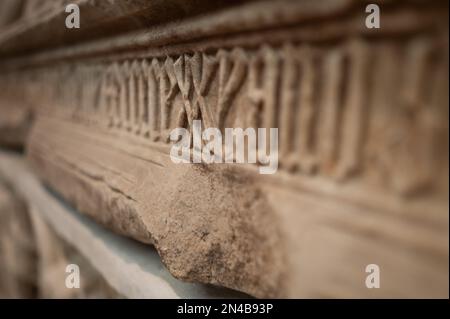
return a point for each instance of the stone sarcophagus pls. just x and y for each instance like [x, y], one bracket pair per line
[362, 119]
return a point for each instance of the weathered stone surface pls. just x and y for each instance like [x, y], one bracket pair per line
[54, 256]
[363, 123]
[18, 271]
[62, 236]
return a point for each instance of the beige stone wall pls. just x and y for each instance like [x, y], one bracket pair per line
[33, 259]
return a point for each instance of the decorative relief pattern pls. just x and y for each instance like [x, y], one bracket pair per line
[369, 111]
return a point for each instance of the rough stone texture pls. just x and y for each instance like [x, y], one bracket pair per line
[363, 123]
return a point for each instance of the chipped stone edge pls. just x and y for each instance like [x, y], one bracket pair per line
[135, 270]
